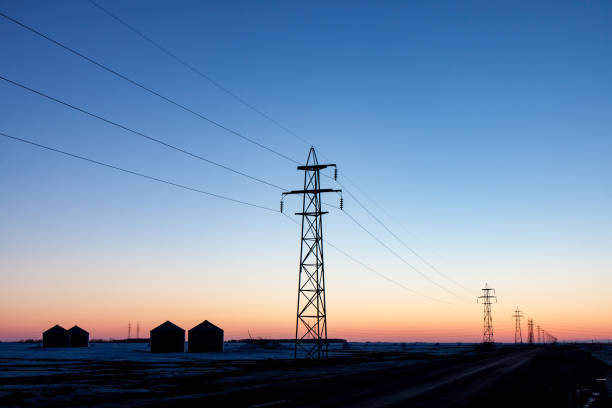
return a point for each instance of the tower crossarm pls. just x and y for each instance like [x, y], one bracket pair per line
[313, 191]
[315, 166]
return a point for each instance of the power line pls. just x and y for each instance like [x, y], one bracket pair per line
[266, 116]
[110, 122]
[352, 258]
[399, 239]
[400, 257]
[197, 71]
[388, 248]
[387, 213]
[135, 173]
[392, 251]
[135, 83]
[86, 159]
[139, 85]
[369, 268]
[270, 119]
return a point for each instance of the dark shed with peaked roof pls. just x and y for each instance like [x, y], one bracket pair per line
[167, 338]
[205, 337]
[56, 336]
[78, 337]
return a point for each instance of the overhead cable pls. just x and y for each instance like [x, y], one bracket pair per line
[149, 90]
[135, 173]
[168, 145]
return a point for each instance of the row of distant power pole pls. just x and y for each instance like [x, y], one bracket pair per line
[130, 330]
[311, 319]
[487, 298]
[543, 336]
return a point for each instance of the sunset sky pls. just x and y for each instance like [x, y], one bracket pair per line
[480, 134]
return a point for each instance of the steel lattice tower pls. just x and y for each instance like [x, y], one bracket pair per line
[530, 331]
[487, 334]
[518, 335]
[311, 321]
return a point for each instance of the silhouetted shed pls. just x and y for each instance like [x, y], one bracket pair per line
[205, 337]
[167, 338]
[78, 337]
[56, 336]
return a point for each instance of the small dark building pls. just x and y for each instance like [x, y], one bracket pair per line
[205, 337]
[78, 337]
[56, 336]
[167, 338]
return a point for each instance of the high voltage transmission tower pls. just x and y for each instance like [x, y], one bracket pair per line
[518, 335]
[530, 328]
[487, 334]
[539, 334]
[311, 321]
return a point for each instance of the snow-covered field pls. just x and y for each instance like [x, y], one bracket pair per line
[600, 351]
[108, 372]
[22, 359]
[232, 351]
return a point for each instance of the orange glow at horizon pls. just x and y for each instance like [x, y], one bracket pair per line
[103, 306]
[456, 330]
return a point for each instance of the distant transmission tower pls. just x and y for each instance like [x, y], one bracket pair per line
[137, 330]
[530, 326]
[539, 334]
[518, 335]
[487, 334]
[311, 321]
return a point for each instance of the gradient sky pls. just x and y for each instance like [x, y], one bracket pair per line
[483, 130]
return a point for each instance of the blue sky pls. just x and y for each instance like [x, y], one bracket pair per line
[484, 129]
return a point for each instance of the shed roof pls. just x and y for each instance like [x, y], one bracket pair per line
[168, 326]
[206, 326]
[56, 329]
[77, 329]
